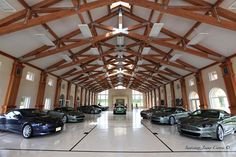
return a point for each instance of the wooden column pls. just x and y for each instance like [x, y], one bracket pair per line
[85, 97]
[58, 92]
[230, 84]
[165, 96]
[13, 87]
[184, 93]
[155, 98]
[75, 98]
[81, 96]
[41, 90]
[148, 104]
[201, 90]
[95, 99]
[172, 88]
[68, 93]
[159, 96]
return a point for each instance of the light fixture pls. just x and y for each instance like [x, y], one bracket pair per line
[6, 7]
[156, 28]
[197, 38]
[146, 50]
[66, 58]
[85, 30]
[44, 39]
[115, 4]
[175, 57]
[94, 51]
[120, 40]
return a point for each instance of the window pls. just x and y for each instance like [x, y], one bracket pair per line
[218, 99]
[50, 82]
[30, 76]
[47, 105]
[120, 87]
[194, 101]
[137, 98]
[213, 76]
[25, 102]
[103, 98]
[191, 82]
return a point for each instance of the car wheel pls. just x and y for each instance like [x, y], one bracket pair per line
[64, 119]
[27, 131]
[219, 133]
[172, 120]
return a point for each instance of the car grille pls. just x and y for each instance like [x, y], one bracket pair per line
[189, 127]
[190, 133]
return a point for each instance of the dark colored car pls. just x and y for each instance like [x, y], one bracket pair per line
[147, 114]
[169, 115]
[119, 109]
[103, 108]
[89, 109]
[211, 123]
[30, 122]
[68, 114]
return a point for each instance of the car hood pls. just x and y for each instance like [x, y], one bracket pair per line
[198, 121]
[44, 119]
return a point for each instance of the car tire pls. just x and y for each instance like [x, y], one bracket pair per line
[219, 133]
[27, 131]
[64, 119]
[172, 120]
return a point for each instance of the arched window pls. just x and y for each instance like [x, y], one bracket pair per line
[194, 101]
[218, 99]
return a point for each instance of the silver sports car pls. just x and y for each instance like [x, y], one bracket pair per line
[170, 115]
[210, 123]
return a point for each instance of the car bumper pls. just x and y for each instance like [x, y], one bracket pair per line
[197, 131]
[161, 120]
[119, 112]
[47, 129]
[75, 118]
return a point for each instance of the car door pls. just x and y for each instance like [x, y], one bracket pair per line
[180, 113]
[228, 122]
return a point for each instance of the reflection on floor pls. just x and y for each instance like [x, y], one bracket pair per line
[115, 135]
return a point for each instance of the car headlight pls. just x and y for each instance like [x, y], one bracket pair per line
[206, 125]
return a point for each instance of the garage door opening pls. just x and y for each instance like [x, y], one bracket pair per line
[218, 99]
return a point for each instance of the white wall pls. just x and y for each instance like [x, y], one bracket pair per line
[64, 90]
[189, 88]
[5, 72]
[177, 86]
[29, 88]
[168, 95]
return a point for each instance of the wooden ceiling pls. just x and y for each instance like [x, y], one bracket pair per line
[120, 64]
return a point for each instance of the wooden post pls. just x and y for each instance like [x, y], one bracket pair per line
[81, 96]
[201, 90]
[58, 92]
[155, 98]
[172, 88]
[184, 93]
[230, 83]
[13, 87]
[41, 90]
[75, 98]
[165, 96]
[68, 93]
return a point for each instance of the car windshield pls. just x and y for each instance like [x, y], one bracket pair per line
[206, 113]
[169, 110]
[32, 113]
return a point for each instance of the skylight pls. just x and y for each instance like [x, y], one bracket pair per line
[124, 4]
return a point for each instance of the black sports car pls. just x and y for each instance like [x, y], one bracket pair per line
[103, 108]
[68, 114]
[210, 123]
[119, 109]
[30, 122]
[89, 109]
[146, 114]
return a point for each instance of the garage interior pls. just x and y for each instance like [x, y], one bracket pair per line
[140, 53]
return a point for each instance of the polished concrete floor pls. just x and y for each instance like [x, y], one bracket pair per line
[110, 135]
